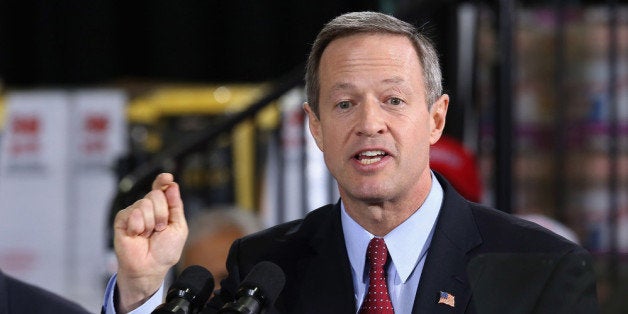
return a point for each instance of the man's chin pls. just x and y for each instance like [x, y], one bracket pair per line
[371, 194]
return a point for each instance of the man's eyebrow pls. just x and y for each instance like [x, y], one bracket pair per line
[393, 80]
[342, 86]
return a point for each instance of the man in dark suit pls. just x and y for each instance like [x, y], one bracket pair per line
[401, 239]
[19, 297]
[490, 262]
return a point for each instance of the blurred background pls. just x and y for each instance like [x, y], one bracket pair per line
[96, 97]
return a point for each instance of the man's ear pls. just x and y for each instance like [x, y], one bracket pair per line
[438, 113]
[315, 126]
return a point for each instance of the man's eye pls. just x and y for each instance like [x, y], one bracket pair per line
[344, 105]
[395, 101]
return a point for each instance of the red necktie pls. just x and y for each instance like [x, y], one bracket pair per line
[377, 300]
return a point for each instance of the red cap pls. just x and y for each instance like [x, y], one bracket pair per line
[458, 165]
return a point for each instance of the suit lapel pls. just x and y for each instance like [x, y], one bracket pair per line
[326, 284]
[445, 267]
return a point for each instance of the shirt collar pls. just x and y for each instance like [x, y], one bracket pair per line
[412, 233]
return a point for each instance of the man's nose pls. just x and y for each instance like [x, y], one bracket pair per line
[371, 119]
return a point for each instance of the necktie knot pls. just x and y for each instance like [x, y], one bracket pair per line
[377, 253]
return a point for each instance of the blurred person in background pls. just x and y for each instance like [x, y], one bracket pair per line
[212, 231]
[545, 221]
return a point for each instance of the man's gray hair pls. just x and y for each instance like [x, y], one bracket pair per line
[373, 22]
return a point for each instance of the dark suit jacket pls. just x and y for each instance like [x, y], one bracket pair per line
[20, 297]
[491, 262]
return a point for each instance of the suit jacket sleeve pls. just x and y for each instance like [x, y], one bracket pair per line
[20, 297]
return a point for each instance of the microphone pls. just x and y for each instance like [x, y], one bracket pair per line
[258, 290]
[189, 292]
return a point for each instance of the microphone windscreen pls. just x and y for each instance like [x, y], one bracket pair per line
[195, 282]
[268, 277]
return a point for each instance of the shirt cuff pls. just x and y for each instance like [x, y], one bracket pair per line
[109, 307]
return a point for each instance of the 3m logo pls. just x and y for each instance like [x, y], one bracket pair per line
[95, 127]
[25, 125]
[26, 132]
[96, 124]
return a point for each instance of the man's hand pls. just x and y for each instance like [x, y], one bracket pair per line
[148, 240]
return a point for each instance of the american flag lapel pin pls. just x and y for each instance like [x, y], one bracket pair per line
[447, 298]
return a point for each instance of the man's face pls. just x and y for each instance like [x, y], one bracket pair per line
[374, 126]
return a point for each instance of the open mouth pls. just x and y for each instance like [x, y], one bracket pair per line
[370, 156]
